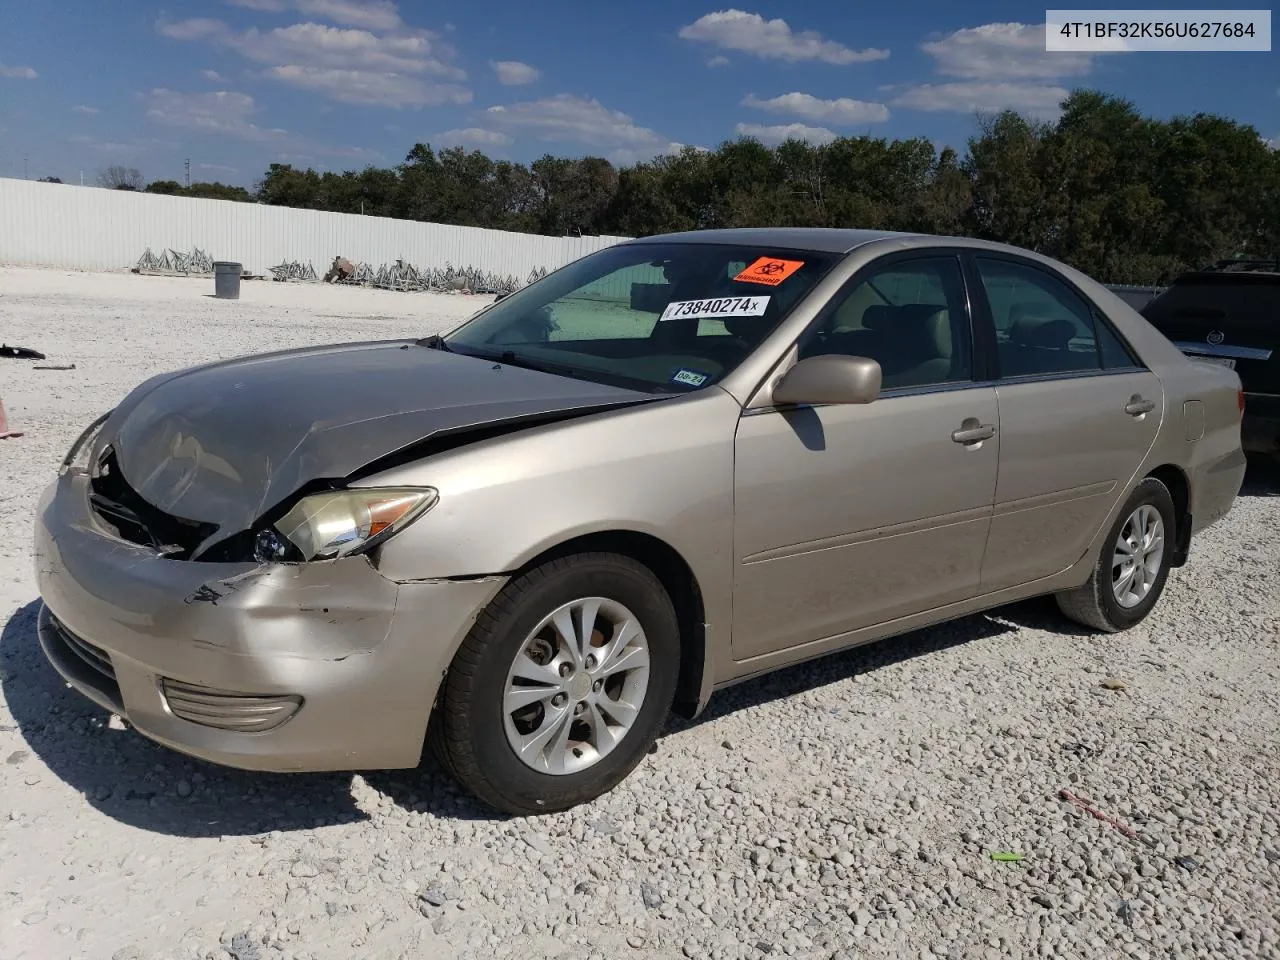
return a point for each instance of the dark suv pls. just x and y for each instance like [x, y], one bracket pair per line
[1230, 314]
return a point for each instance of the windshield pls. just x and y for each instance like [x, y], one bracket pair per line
[656, 317]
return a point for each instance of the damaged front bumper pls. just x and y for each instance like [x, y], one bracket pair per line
[316, 666]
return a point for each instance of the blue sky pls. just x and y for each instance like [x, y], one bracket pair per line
[337, 84]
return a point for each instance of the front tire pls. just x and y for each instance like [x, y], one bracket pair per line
[1133, 565]
[561, 686]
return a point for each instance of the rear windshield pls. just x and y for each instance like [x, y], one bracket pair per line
[655, 317]
[1244, 301]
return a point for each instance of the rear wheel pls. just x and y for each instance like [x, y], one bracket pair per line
[1133, 565]
[561, 686]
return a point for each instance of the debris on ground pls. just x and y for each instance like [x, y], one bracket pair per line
[1111, 683]
[294, 270]
[20, 353]
[54, 366]
[171, 262]
[1005, 857]
[1124, 828]
[342, 269]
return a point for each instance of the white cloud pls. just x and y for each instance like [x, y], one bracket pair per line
[217, 168]
[363, 87]
[1038, 100]
[772, 136]
[1000, 66]
[224, 113]
[81, 108]
[473, 137]
[17, 73]
[196, 28]
[370, 14]
[513, 73]
[772, 39]
[134, 148]
[213, 76]
[719, 60]
[354, 153]
[1004, 51]
[569, 119]
[842, 111]
[347, 65]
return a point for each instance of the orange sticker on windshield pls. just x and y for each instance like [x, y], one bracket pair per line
[769, 270]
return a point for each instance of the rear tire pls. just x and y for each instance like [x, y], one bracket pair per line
[1121, 592]
[613, 684]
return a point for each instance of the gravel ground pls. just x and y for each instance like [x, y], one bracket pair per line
[846, 808]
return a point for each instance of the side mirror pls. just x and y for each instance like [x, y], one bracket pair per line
[830, 378]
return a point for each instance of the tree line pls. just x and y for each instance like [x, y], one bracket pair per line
[1123, 197]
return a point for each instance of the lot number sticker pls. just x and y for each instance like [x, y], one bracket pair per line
[769, 270]
[716, 309]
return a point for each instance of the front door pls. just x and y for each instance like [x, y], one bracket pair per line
[1078, 414]
[846, 516]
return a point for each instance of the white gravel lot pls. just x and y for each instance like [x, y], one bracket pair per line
[847, 808]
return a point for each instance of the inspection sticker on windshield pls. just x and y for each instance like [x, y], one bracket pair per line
[716, 309]
[691, 377]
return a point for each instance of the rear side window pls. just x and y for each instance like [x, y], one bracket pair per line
[1044, 327]
[1115, 355]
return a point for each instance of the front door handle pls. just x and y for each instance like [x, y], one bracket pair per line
[1138, 405]
[972, 431]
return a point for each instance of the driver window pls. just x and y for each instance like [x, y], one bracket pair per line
[909, 316]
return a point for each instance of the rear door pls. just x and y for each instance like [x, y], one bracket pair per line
[1078, 413]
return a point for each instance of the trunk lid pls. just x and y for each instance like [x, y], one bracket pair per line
[1226, 316]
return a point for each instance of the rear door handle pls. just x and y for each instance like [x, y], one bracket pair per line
[1137, 406]
[971, 431]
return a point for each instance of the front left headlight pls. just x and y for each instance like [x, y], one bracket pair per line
[77, 458]
[342, 523]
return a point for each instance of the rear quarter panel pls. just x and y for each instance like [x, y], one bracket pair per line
[1201, 401]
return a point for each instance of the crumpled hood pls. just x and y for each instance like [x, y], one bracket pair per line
[221, 443]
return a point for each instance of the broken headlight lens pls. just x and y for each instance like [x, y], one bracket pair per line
[77, 458]
[341, 523]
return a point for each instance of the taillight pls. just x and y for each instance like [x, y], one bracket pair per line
[1240, 400]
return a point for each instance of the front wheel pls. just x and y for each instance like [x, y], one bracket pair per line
[1133, 565]
[561, 686]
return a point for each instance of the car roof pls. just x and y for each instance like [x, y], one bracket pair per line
[833, 240]
[816, 239]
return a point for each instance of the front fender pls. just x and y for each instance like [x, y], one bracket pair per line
[662, 469]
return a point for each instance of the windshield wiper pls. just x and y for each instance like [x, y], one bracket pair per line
[512, 359]
[434, 342]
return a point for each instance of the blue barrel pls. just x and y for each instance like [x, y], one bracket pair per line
[226, 279]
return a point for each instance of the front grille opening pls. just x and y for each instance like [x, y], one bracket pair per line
[227, 710]
[119, 506]
[95, 658]
[89, 665]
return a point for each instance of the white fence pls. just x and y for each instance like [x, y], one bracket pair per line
[89, 228]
